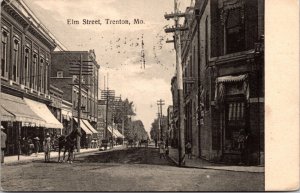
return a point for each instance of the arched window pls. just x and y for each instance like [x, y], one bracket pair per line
[15, 64]
[26, 78]
[4, 45]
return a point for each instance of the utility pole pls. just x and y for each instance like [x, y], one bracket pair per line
[177, 30]
[79, 70]
[158, 116]
[160, 103]
[79, 105]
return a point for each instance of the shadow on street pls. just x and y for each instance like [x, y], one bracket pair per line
[127, 156]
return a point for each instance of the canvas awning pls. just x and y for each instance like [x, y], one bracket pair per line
[115, 131]
[17, 107]
[111, 130]
[66, 114]
[83, 127]
[224, 79]
[220, 88]
[5, 115]
[42, 111]
[91, 128]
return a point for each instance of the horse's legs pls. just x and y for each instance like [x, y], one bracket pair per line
[64, 155]
[59, 154]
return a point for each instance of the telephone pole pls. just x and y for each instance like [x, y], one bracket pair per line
[177, 30]
[160, 103]
[77, 68]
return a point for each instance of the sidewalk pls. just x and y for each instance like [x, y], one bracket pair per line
[10, 160]
[203, 164]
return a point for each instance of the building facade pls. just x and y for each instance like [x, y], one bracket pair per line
[25, 63]
[62, 78]
[223, 73]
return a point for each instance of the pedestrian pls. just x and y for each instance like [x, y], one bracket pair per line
[167, 150]
[188, 148]
[3, 143]
[47, 147]
[161, 150]
[36, 143]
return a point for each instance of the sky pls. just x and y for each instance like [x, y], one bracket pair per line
[119, 48]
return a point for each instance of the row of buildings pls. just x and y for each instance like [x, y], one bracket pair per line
[38, 93]
[223, 74]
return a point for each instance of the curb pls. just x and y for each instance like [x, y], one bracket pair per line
[209, 168]
[17, 162]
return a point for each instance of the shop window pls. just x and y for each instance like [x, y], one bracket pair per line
[235, 123]
[234, 30]
[4, 48]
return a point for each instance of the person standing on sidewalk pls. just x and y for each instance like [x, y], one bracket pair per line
[188, 148]
[3, 143]
[47, 147]
[161, 150]
[36, 144]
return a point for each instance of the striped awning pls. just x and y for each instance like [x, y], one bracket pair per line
[83, 127]
[220, 88]
[225, 79]
[91, 128]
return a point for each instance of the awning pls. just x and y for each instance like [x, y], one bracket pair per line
[42, 111]
[239, 78]
[83, 127]
[87, 123]
[118, 133]
[111, 130]
[115, 131]
[5, 115]
[220, 88]
[21, 111]
[66, 114]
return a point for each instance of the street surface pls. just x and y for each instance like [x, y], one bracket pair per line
[132, 169]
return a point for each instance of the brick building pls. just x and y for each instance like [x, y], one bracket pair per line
[25, 63]
[60, 77]
[223, 73]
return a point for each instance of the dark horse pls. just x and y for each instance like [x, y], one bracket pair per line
[68, 143]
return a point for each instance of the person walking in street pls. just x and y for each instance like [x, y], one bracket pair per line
[161, 150]
[36, 143]
[47, 147]
[3, 144]
[188, 148]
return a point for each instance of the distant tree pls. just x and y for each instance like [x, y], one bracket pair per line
[155, 128]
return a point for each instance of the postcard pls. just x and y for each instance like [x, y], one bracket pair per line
[138, 95]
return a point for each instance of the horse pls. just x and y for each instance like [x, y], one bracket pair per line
[68, 143]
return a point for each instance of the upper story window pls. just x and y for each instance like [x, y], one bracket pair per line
[34, 72]
[206, 41]
[26, 78]
[59, 74]
[41, 75]
[4, 48]
[235, 35]
[15, 65]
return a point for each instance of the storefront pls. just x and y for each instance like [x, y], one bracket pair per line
[25, 119]
[232, 96]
